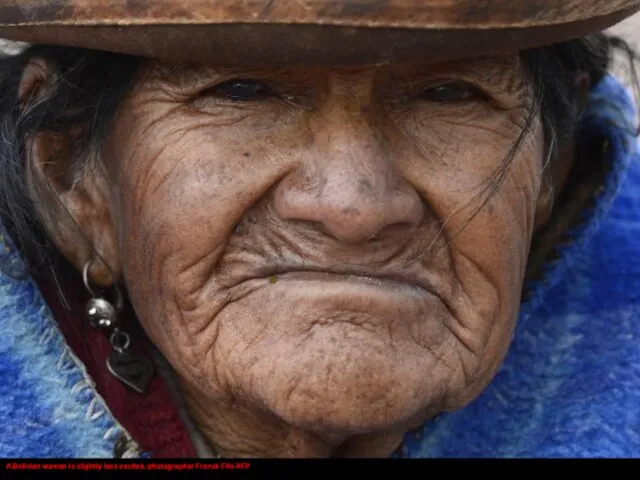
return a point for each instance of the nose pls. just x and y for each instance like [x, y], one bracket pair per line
[348, 184]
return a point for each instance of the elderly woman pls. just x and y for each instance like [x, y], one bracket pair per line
[318, 228]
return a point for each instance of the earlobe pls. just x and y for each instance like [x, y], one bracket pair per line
[554, 181]
[71, 200]
[544, 204]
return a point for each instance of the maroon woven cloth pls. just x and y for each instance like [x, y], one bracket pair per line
[153, 418]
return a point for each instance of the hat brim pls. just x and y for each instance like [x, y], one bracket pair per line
[271, 32]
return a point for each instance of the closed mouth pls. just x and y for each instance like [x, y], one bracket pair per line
[380, 279]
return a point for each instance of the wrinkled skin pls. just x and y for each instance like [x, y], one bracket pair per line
[306, 257]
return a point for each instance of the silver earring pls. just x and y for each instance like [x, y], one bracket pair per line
[135, 371]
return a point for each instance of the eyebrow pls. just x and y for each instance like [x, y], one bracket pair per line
[185, 74]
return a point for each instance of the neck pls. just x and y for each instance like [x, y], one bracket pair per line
[238, 431]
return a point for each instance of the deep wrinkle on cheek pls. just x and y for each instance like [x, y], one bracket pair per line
[511, 200]
[186, 191]
[511, 209]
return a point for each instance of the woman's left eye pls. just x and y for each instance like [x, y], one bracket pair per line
[452, 92]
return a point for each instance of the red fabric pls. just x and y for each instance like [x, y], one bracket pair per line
[153, 418]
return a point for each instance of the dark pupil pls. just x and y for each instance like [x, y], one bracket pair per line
[241, 90]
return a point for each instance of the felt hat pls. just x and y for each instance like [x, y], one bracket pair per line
[271, 32]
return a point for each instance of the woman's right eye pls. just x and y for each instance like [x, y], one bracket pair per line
[452, 92]
[241, 90]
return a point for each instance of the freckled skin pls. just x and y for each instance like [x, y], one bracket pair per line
[216, 205]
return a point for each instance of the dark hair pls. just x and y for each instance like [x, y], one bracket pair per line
[89, 85]
[84, 94]
[554, 71]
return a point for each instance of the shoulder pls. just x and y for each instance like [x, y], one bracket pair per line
[48, 406]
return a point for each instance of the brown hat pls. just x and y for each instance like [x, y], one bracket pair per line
[307, 31]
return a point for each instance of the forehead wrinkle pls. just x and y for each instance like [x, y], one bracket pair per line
[502, 75]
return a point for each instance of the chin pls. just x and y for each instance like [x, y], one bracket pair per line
[351, 384]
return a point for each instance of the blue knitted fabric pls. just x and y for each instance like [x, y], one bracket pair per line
[570, 385]
[48, 405]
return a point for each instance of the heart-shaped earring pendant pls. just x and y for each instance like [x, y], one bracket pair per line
[133, 370]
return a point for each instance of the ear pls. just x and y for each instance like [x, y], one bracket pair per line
[71, 194]
[556, 176]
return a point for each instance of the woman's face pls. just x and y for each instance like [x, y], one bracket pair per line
[301, 243]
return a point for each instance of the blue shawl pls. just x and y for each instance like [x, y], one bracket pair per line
[569, 387]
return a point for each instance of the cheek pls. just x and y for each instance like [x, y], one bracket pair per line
[487, 223]
[496, 220]
[490, 256]
[485, 204]
[185, 187]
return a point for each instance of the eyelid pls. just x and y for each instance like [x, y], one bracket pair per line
[277, 91]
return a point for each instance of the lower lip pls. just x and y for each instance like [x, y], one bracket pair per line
[325, 277]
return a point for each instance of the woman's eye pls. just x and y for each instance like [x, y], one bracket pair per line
[452, 92]
[241, 90]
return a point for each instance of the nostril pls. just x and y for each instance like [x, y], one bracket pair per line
[396, 230]
[322, 229]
